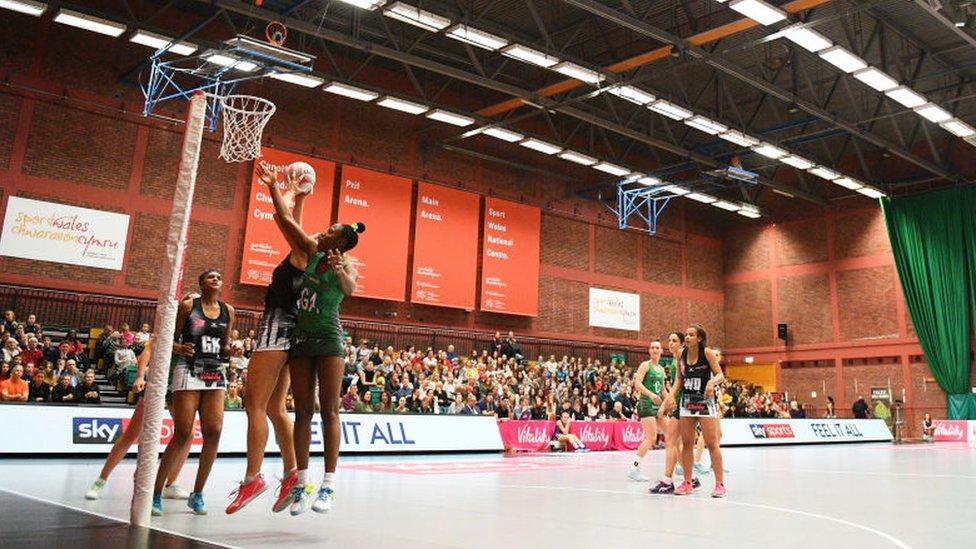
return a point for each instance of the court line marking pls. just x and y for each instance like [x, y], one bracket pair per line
[115, 519]
[897, 542]
[858, 473]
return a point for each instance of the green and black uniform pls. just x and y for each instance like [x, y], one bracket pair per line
[654, 382]
[317, 329]
[672, 369]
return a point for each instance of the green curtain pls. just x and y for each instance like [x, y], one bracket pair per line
[928, 242]
[964, 405]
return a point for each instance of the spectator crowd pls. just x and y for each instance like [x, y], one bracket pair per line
[496, 380]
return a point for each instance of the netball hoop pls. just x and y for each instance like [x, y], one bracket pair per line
[244, 119]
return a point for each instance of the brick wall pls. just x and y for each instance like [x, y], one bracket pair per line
[70, 132]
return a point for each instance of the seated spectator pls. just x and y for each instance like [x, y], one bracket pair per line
[87, 390]
[522, 410]
[385, 405]
[565, 437]
[14, 388]
[75, 348]
[38, 390]
[71, 369]
[539, 409]
[10, 350]
[471, 406]
[456, 405]
[618, 411]
[145, 332]
[9, 322]
[123, 359]
[33, 354]
[487, 405]
[127, 334]
[504, 410]
[32, 327]
[351, 399]
[401, 407]
[63, 391]
[233, 400]
[796, 410]
[928, 429]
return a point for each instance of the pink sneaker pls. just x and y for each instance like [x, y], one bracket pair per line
[684, 489]
[285, 497]
[719, 491]
[246, 493]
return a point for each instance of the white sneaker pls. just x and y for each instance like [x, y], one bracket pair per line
[323, 502]
[173, 491]
[300, 498]
[95, 492]
[635, 474]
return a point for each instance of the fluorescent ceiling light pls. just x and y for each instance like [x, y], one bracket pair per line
[529, 55]
[848, 183]
[475, 37]
[876, 78]
[578, 158]
[307, 80]
[751, 214]
[676, 189]
[758, 11]
[582, 74]
[870, 192]
[706, 125]
[539, 145]
[669, 109]
[649, 181]
[797, 162]
[415, 16]
[958, 128]
[231, 62]
[632, 94]
[89, 22]
[739, 138]
[352, 92]
[612, 169]
[29, 7]
[157, 41]
[933, 113]
[503, 134]
[727, 206]
[807, 39]
[841, 58]
[448, 117]
[402, 105]
[365, 4]
[824, 173]
[770, 151]
[700, 197]
[907, 97]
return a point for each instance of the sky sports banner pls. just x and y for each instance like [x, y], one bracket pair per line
[510, 259]
[445, 247]
[49, 231]
[93, 429]
[610, 309]
[382, 202]
[747, 431]
[264, 245]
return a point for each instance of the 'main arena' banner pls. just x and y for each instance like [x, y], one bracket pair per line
[264, 245]
[510, 271]
[382, 202]
[445, 249]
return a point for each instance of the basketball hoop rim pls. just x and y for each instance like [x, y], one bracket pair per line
[253, 101]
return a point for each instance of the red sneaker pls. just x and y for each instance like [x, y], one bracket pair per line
[285, 497]
[684, 489]
[245, 493]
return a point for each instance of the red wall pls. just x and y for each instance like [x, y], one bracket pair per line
[70, 133]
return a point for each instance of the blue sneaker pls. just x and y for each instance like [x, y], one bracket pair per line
[679, 471]
[157, 508]
[300, 495]
[195, 503]
[323, 502]
[702, 470]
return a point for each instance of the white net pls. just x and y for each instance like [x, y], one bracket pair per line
[244, 119]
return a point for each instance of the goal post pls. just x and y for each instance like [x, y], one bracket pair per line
[166, 309]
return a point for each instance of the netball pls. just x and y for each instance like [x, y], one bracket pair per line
[305, 174]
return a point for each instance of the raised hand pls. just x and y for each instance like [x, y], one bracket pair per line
[334, 257]
[265, 174]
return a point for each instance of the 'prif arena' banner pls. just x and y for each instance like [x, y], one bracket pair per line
[264, 245]
[382, 202]
[510, 264]
[445, 248]
[49, 231]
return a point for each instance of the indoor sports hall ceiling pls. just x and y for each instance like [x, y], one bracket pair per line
[704, 56]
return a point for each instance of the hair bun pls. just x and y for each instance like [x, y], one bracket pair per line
[360, 227]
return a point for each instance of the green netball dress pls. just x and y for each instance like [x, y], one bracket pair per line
[317, 328]
[654, 382]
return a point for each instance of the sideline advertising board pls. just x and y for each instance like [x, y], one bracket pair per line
[610, 309]
[93, 429]
[49, 231]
